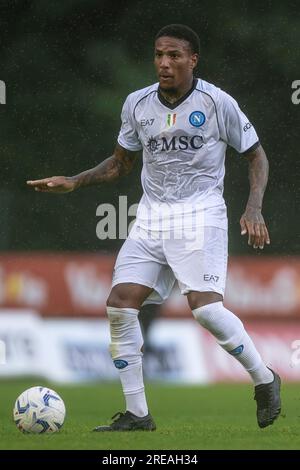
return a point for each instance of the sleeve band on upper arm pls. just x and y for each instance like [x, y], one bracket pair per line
[252, 148]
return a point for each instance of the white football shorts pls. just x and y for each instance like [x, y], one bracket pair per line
[197, 260]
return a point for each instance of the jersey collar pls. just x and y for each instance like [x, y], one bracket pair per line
[178, 102]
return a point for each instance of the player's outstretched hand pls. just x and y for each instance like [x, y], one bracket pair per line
[252, 222]
[55, 184]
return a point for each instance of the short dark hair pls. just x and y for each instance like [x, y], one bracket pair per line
[181, 31]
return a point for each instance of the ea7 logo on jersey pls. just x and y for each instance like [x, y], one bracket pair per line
[147, 122]
[247, 126]
[211, 277]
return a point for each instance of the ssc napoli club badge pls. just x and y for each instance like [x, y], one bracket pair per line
[197, 118]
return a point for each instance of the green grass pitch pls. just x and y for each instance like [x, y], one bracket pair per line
[187, 417]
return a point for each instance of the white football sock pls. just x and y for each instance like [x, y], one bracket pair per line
[125, 349]
[232, 336]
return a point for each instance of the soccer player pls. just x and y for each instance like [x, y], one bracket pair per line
[183, 125]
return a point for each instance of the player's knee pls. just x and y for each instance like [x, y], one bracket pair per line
[118, 298]
[113, 300]
[127, 296]
[202, 299]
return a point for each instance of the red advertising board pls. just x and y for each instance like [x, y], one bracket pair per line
[78, 284]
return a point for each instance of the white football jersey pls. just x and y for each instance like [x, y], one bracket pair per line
[184, 147]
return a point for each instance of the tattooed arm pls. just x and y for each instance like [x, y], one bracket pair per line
[252, 221]
[119, 164]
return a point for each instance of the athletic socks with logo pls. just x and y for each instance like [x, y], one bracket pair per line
[125, 348]
[232, 336]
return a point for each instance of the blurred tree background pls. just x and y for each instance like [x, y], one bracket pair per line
[68, 66]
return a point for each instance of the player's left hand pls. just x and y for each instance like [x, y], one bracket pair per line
[252, 222]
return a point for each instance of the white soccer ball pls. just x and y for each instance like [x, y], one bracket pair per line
[38, 410]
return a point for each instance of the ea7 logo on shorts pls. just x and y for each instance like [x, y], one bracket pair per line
[147, 122]
[211, 277]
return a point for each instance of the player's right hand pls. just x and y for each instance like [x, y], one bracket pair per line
[55, 184]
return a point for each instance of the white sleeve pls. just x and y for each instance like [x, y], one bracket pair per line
[128, 137]
[235, 128]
